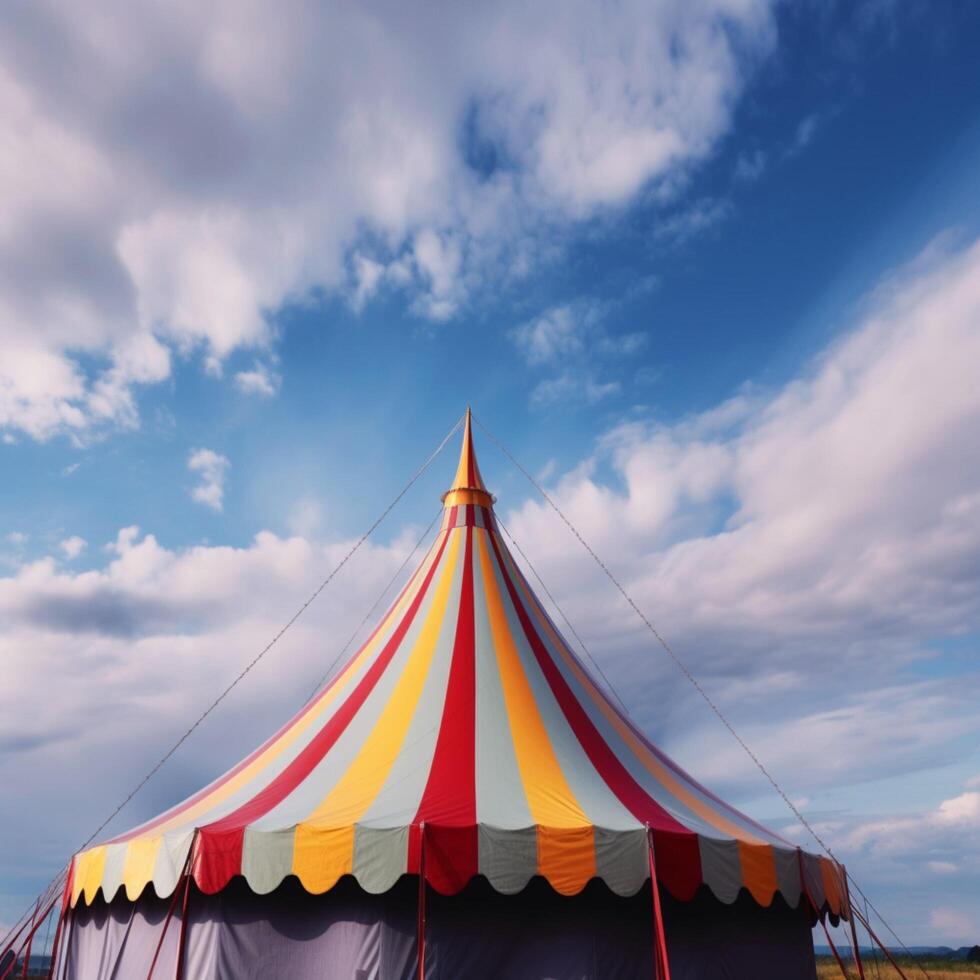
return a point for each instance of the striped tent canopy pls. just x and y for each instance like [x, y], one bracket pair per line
[463, 738]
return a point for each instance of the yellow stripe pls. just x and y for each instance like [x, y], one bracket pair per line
[302, 724]
[549, 796]
[322, 853]
[91, 870]
[141, 859]
[651, 763]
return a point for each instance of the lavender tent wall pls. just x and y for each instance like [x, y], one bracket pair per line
[478, 934]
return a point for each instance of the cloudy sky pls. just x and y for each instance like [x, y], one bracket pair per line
[711, 271]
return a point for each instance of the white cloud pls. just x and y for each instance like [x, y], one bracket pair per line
[805, 131]
[679, 228]
[572, 339]
[571, 386]
[259, 381]
[313, 148]
[750, 166]
[213, 469]
[72, 547]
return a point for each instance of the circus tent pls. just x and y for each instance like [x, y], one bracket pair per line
[462, 790]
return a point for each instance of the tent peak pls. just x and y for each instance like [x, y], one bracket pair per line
[467, 486]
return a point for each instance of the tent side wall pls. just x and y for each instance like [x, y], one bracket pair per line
[478, 934]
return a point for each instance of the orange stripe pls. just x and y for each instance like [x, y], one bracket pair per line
[562, 857]
[758, 871]
[568, 854]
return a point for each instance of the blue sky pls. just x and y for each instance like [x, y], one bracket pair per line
[709, 273]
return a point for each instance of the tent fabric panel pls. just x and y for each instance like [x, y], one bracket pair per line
[787, 863]
[322, 855]
[550, 799]
[678, 863]
[614, 788]
[575, 752]
[267, 858]
[566, 857]
[759, 871]
[380, 857]
[480, 935]
[171, 861]
[721, 868]
[508, 858]
[622, 859]
[707, 940]
[501, 799]
[113, 870]
[118, 940]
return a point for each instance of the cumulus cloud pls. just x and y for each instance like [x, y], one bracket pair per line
[572, 339]
[213, 469]
[844, 505]
[314, 148]
[260, 380]
[72, 547]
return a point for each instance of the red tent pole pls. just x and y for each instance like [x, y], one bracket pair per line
[36, 924]
[661, 965]
[833, 949]
[181, 941]
[881, 945]
[421, 921]
[850, 916]
[62, 919]
[30, 938]
[62, 916]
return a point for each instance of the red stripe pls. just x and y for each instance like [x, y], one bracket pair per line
[249, 759]
[220, 843]
[612, 771]
[448, 806]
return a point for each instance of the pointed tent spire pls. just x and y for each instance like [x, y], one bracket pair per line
[467, 486]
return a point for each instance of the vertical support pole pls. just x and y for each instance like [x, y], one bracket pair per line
[182, 939]
[62, 916]
[833, 949]
[850, 916]
[661, 965]
[421, 921]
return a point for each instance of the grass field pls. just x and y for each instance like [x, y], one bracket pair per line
[827, 969]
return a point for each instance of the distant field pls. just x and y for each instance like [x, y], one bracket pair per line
[827, 969]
